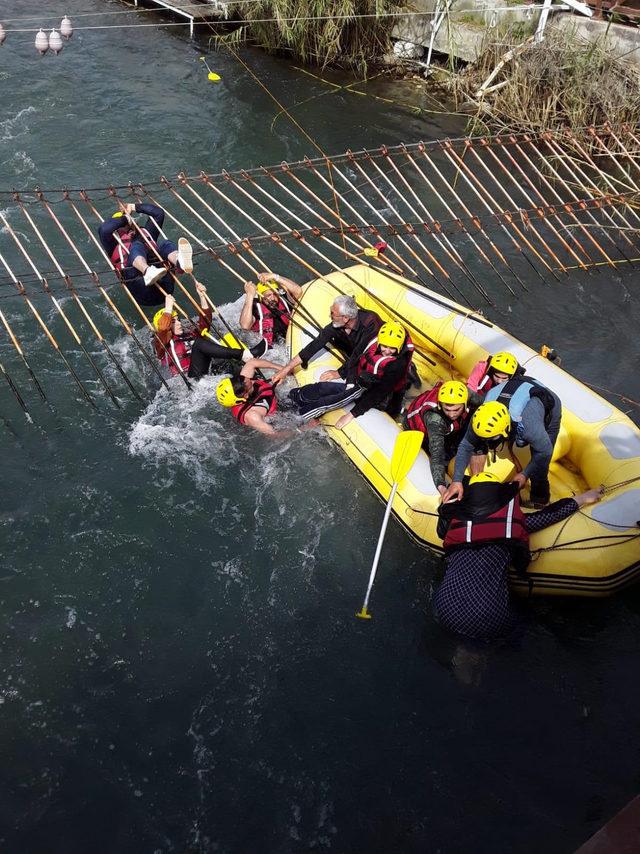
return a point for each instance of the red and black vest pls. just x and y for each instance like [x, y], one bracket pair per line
[269, 322]
[120, 254]
[375, 364]
[507, 523]
[178, 352]
[428, 401]
[263, 394]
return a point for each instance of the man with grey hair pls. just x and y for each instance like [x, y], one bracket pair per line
[350, 330]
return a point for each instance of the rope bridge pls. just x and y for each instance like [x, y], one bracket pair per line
[470, 218]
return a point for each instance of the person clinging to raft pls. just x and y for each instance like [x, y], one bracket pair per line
[252, 400]
[484, 534]
[267, 306]
[192, 351]
[137, 252]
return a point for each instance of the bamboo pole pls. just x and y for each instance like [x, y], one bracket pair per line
[461, 167]
[583, 206]
[435, 224]
[83, 310]
[551, 211]
[474, 219]
[14, 389]
[21, 290]
[540, 210]
[18, 347]
[596, 193]
[509, 216]
[566, 207]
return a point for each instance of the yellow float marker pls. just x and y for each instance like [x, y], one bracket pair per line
[212, 74]
[404, 456]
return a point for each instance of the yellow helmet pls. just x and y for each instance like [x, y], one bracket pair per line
[453, 391]
[226, 394]
[484, 477]
[117, 214]
[158, 315]
[491, 420]
[391, 334]
[264, 287]
[504, 363]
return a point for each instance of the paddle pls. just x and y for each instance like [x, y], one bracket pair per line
[404, 455]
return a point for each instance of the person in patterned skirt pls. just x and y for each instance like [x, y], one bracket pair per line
[484, 534]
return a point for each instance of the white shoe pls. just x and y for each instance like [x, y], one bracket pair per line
[152, 274]
[185, 255]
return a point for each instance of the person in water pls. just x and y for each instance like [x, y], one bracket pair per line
[351, 330]
[192, 351]
[375, 379]
[134, 252]
[267, 306]
[442, 413]
[522, 411]
[484, 534]
[493, 371]
[253, 400]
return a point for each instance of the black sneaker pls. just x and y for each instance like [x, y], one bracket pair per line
[260, 349]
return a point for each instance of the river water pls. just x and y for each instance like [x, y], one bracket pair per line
[181, 668]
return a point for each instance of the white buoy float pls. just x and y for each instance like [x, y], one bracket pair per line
[42, 42]
[55, 42]
[65, 28]
[3, 34]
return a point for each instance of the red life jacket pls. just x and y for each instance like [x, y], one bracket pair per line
[264, 318]
[507, 523]
[263, 393]
[479, 378]
[374, 363]
[178, 350]
[120, 254]
[428, 400]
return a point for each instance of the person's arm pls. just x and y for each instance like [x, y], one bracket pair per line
[321, 340]
[437, 456]
[252, 365]
[204, 319]
[560, 510]
[292, 288]
[107, 230]
[246, 315]
[535, 433]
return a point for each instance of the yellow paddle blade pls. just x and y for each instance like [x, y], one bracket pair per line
[363, 614]
[230, 340]
[404, 454]
[213, 76]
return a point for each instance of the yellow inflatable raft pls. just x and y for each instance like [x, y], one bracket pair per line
[596, 551]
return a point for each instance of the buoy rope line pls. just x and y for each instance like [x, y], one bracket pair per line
[226, 21]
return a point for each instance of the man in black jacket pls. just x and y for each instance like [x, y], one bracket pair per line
[350, 330]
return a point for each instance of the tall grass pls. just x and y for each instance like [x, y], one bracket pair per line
[338, 36]
[560, 83]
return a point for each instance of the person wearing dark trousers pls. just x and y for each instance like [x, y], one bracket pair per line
[134, 252]
[192, 352]
[484, 534]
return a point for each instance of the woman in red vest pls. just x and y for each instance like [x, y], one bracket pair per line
[484, 534]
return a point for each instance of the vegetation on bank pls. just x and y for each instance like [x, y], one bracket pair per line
[319, 32]
[562, 82]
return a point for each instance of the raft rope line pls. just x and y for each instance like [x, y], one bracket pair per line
[405, 190]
